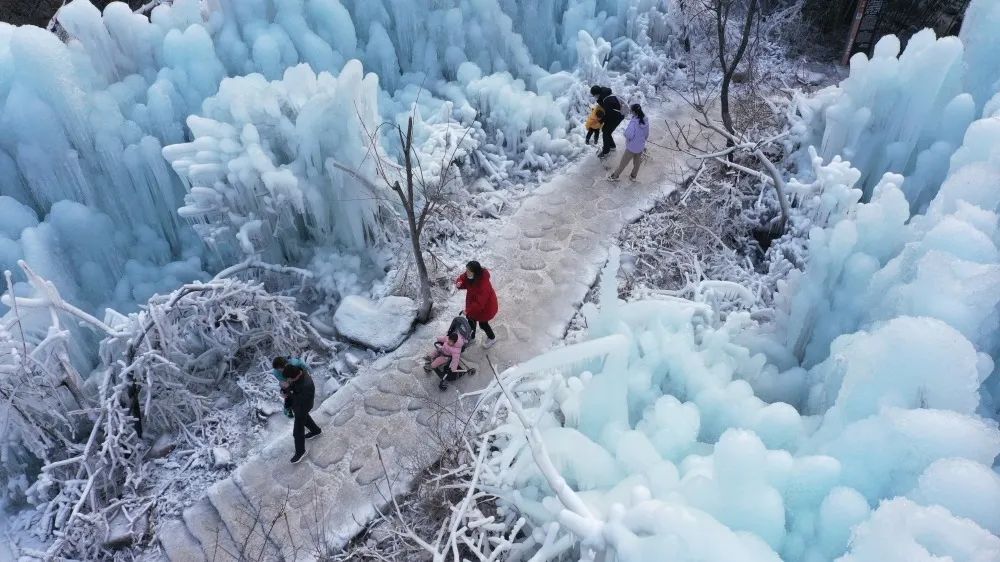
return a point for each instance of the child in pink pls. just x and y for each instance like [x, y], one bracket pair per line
[448, 348]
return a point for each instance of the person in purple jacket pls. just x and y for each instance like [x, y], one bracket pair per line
[636, 134]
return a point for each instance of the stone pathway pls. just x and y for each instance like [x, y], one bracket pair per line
[543, 261]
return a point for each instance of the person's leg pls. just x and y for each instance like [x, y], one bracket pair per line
[308, 422]
[611, 134]
[472, 334]
[299, 433]
[439, 361]
[608, 142]
[636, 162]
[488, 330]
[621, 164]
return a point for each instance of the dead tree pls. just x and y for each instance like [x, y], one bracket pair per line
[730, 62]
[732, 24]
[421, 192]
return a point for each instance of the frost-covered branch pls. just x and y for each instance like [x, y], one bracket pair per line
[256, 264]
[772, 171]
[159, 370]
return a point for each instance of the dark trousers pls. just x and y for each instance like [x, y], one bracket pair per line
[596, 133]
[302, 422]
[486, 329]
[607, 135]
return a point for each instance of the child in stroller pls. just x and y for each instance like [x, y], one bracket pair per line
[446, 360]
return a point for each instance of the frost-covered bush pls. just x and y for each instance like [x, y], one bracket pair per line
[646, 443]
[75, 448]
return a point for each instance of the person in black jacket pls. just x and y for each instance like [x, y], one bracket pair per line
[302, 393]
[614, 114]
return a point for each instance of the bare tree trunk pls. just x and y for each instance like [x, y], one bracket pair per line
[729, 69]
[426, 300]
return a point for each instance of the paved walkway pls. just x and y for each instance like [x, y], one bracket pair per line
[543, 261]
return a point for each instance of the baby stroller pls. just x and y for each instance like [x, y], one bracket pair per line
[459, 325]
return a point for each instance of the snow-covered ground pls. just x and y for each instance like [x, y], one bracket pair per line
[834, 397]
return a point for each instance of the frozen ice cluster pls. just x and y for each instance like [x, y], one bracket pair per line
[907, 112]
[658, 447]
[859, 424]
[252, 101]
[263, 166]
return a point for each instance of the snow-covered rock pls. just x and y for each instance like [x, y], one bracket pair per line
[332, 385]
[382, 325]
[352, 361]
[489, 205]
[810, 77]
[122, 532]
[267, 409]
[221, 457]
[162, 447]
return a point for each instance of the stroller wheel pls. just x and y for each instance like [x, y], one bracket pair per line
[442, 386]
[472, 372]
[427, 368]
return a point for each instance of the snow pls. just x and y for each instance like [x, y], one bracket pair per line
[162, 447]
[221, 457]
[381, 325]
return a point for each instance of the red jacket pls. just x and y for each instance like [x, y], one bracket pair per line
[480, 298]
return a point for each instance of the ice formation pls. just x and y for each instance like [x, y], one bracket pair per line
[668, 453]
[275, 164]
[86, 121]
[861, 424]
[907, 112]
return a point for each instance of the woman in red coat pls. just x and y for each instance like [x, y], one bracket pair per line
[480, 300]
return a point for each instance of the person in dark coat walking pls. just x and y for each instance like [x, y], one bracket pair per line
[302, 393]
[614, 114]
[480, 300]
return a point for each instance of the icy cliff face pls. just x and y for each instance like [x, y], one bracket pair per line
[87, 121]
[263, 171]
[871, 262]
[907, 112]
